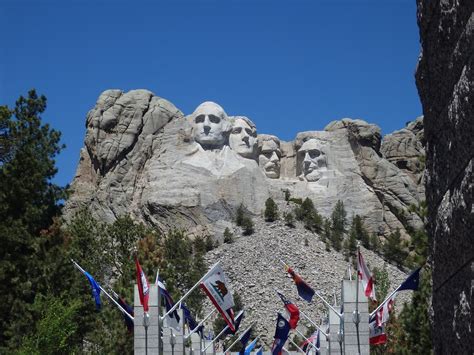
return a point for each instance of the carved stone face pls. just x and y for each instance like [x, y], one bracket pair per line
[314, 159]
[210, 125]
[269, 157]
[243, 138]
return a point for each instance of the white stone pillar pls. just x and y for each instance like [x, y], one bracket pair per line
[139, 329]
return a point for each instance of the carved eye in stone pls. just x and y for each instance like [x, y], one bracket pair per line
[314, 153]
[199, 119]
[250, 132]
[214, 119]
[236, 130]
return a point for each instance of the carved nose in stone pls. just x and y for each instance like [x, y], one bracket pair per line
[246, 139]
[207, 129]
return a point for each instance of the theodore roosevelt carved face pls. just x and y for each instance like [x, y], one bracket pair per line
[269, 155]
[211, 125]
[243, 137]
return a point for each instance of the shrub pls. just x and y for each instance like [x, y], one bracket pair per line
[271, 210]
[228, 236]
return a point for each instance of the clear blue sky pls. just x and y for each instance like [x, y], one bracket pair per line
[290, 66]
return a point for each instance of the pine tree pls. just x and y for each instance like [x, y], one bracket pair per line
[247, 225]
[394, 250]
[350, 246]
[271, 210]
[289, 219]
[338, 218]
[239, 216]
[228, 236]
[28, 203]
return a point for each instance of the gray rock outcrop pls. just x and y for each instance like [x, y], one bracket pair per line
[445, 80]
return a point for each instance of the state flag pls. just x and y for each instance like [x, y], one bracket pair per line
[173, 318]
[281, 335]
[292, 309]
[143, 286]
[304, 290]
[366, 277]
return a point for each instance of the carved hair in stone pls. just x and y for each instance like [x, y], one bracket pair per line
[269, 155]
[243, 137]
[313, 159]
[211, 126]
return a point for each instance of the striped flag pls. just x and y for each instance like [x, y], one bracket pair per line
[366, 277]
[292, 310]
[304, 290]
[143, 286]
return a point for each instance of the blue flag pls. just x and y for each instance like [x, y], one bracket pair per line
[412, 282]
[260, 351]
[250, 347]
[189, 319]
[281, 334]
[304, 290]
[95, 290]
[244, 340]
[129, 310]
[173, 317]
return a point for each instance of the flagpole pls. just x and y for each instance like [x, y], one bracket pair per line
[292, 342]
[105, 292]
[302, 335]
[386, 299]
[309, 319]
[189, 291]
[196, 328]
[222, 332]
[240, 337]
[317, 294]
[356, 314]
[159, 310]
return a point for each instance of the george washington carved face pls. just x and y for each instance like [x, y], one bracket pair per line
[211, 125]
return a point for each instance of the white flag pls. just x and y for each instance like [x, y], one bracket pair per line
[215, 287]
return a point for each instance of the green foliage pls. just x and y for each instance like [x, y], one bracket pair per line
[374, 243]
[297, 201]
[287, 195]
[350, 246]
[338, 218]
[394, 250]
[360, 231]
[28, 203]
[289, 219]
[382, 282]
[247, 225]
[56, 328]
[239, 215]
[307, 213]
[228, 236]
[271, 210]
[415, 336]
[326, 235]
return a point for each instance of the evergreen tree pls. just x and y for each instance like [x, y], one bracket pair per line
[350, 246]
[28, 203]
[326, 235]
[338, 218]
[307, 213]
[394, 250]
[228, 236]
[271, 210]
[239, 216]
[360, 231]
[247, 225]
[289, 219]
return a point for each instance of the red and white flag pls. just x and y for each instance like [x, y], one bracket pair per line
[366, 277]
[143, 286]
[383, 314]
[377, 333]
[215, 287]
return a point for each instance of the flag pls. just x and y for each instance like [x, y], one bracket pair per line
[244, 339]
[128, 322]
[189, 319]
[143, 286]
[237, 321]
[383, 314]
[259, 351]
[314, 340]
[412, 282]
[250, 347]
[366, 277]
[215, 287]
[281, 334]
[304, 290]
[376, 333]
[95, 289]
[292, 310]
[172, 318]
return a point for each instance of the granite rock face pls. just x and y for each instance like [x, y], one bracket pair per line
[445, 80]
[144, 157]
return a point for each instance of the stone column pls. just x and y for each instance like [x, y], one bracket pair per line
[139, 329]
[196, 343]
[173, 342]
[334, 332]
[350, 335]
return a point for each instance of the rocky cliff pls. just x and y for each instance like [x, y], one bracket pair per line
[445, 80]
[144, 157]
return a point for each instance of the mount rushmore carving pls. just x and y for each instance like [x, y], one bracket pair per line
[144, 157]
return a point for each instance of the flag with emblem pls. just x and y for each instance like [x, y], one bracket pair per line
[143, 286]
[376, 332]
[366, 277]
[281, 335]
[216, 288]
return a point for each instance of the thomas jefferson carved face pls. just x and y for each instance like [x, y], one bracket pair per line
[314, 159]
[243, 137]
[210, 125]
[269, 157]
